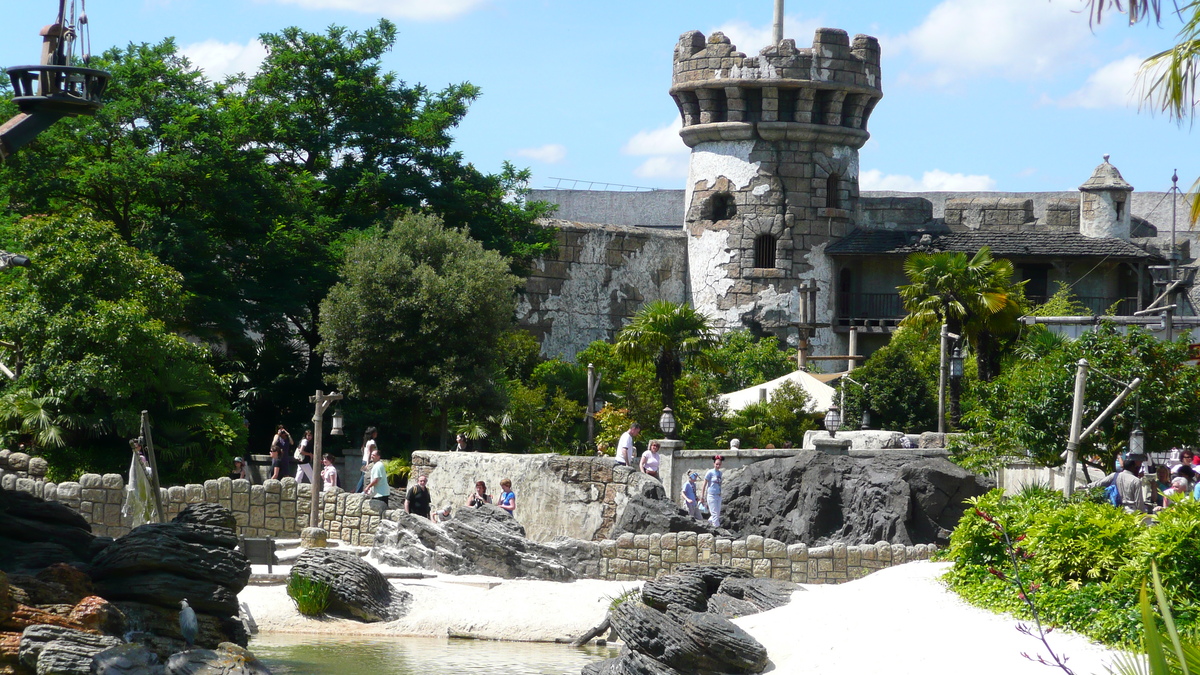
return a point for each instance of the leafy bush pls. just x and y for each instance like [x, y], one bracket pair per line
[1083, 560]
[781, 420]
[311, 596]
[398, 470]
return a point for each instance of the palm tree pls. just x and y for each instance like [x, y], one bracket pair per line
[667, 334]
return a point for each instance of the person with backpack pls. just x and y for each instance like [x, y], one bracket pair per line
[1124, 488]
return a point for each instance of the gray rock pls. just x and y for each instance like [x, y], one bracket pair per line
[657, 636]
[902, 497]
[726, 647]
[227, 659]
[53, 649]
[629, 663]
[207, 514]
[166, 590]
[484, 540]
[713, 575]
[730, 607]
[676, 589]
[762, 594]
[649, 511]
[126, 659]
[35, 532]
[157, 628]
[356, 589]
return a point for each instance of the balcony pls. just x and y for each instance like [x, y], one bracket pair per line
[874, 312]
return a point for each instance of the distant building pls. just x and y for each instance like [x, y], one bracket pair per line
[772, 208]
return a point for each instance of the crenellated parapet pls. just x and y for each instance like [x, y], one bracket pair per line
[824, 93]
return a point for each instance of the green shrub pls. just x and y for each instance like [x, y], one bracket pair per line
[1174, 545]
[398, 470]
[1073, 544]
[311, 596]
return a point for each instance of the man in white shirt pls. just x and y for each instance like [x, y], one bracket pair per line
[625, 450]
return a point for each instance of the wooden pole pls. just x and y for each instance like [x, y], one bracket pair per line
[1076, 426]
[158, 506]
[942, 379]
[321, 403]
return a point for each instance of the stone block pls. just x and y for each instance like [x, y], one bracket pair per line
[705, 541]
[754, 555]
[853, 557]
[50, 491]
[288, 510]
[91, 480]
[625, 540]
[742, 564]
[686, 554]
[112, 481]
[820, 552]
[774, 549]
[8, 481]
[669, 541]
[627, 553]
[866, 552]
[240, 502]
[69, 491]
[825, 564]
[257, 517]
[655, 544]
[643, 554]
[899, 554]
[754, 542]
[287, 487]
[90, 494]
[722, 545]
[195, 494]
[686, 538]
[240, 486]
[739, 548]
[272, 486]
[602, 470]
[116, 496]
[669, 556]
[271, 509]
[212, 494]
[274, 524]
[608, 548]
[258, 495]
[26, 485]
[242, 518]
[224, 487]
[761, 568]
[112, 515]
[883, 552]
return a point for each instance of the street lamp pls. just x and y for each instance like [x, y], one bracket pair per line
[667, 423]
[337, 428]
[866, 415]
[1137, 441]
[943, 371]
[321, 402]
[956, 363]
[833, 419]
[866, 418]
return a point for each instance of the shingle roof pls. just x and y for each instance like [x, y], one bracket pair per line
[1106, 177]
[1003, 244]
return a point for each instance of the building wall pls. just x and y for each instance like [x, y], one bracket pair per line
[598, 278]
[652, 208]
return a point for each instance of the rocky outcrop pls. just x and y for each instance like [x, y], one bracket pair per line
[484, 540]
[816, 499]
[53, 649]
[669, 631]
[227, 659]
[35, 534]
[648, 510]
[356, 589]
[205, 513]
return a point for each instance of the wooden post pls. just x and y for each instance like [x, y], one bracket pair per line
[321, 402]
[158, 506]
[1076, 425]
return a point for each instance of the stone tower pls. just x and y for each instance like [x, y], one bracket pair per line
[1104, 204]
[773, 175]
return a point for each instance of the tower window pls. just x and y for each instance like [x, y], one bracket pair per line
[720, 112]
[1120, 206]
[831, 192]
[788, 100]
[764, 251]
[722, 206]
[821, 104]
[754, 100]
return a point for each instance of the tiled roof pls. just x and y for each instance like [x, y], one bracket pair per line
[1106, 177]
[1003, 244]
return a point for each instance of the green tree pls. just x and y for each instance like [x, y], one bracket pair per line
[89, 324]
[667, 335]
[901, 379]
[780, 421]
[742, 360]
[418, 316]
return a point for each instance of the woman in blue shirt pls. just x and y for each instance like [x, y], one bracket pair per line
[508, 499]
[711, 494]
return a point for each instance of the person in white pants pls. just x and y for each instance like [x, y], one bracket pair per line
[711, 494]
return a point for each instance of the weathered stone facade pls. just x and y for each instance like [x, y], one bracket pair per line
[600, 276]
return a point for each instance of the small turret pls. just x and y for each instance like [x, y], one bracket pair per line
[1104, 204]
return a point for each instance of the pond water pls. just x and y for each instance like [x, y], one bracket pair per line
[322, 654]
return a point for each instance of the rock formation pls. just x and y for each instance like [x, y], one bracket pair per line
[648, 510]
[356, 589]
[483, 540]
[681, 624]
[817, 499]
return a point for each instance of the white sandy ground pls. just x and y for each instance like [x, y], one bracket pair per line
[898, 621]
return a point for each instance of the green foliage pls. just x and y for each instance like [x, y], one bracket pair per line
[542, 420]
[741, 360]
[666, 335]
[1062, 303]
[1163, 650]
[1082, 560]
[612, 422]
[418, 316]
[622, 597]
[310, 595]
[781, 421]
[90, 321]
[901, 379]
[398, 469]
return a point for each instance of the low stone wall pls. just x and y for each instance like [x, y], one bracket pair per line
[648, 556]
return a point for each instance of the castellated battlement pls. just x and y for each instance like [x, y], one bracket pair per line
[787, 91]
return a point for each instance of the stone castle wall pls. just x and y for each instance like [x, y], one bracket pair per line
[648, 556]
[599, 277]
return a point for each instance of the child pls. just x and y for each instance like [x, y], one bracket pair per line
[689, 495]
[508, 499]
[329, 474]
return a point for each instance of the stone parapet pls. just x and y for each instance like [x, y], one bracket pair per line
[643, 557]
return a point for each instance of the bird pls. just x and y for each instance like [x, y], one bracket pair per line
[188, 626]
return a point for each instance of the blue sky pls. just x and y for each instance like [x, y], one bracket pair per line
[1014, 95]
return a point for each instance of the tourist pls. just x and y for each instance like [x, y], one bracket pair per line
[711, 494]
[1185, 459]
[279, 466]
[689, 494]
[650, 460]
[460, 443]
[329, 472]
[1176, 493]
[625, 449]
[417, 500]
[442, 516]
[284, 439]
[508, 499]
[1129, 485]
[1161, 483]
[239, 470]
[368, 447]
[304, 459]
[480, 496]
[735, 444]
[377, 488]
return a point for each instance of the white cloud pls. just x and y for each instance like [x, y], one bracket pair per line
[663, 167]
[931, 181]
[1016, 39]
[221, 59]
[552, 153]
[660, 141]
[1112, 86]
[420, 10]
[751, 39]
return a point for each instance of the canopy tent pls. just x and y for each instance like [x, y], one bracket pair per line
[821, 395]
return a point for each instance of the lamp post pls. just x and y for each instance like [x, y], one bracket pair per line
[833, 420]
[956, 374]
[321, 402]
[943, 368]
[666, 422]
[1137, 441]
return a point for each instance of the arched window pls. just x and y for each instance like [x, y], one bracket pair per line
[764, 251]
[721, 206]
[831, 192]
